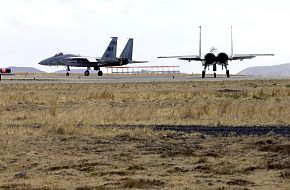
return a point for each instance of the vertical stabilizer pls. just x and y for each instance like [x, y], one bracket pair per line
[232, 43]
[199, 41]
[128, 50]
[111, 51]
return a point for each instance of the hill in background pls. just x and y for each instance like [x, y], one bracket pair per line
[25, 70]
[276, 70]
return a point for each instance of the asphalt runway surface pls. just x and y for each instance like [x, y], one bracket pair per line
[10, 79]
[228, 130]
[283, 130]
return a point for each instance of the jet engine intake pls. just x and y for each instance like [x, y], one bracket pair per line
[209, 58]
[222, 58]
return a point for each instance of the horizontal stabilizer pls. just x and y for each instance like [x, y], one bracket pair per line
[138, 61]
[185, 57]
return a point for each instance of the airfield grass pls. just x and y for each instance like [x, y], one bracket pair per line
[74, 136]
[185, 103]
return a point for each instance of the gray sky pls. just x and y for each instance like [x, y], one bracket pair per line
[32, 30]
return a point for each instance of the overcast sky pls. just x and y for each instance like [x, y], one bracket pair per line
[32, 30]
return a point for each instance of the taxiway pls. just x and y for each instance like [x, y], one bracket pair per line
[47, 78]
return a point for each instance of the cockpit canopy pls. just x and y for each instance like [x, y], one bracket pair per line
[59, 54]
[213, 49]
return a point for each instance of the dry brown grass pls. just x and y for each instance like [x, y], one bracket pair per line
[205, 103]
[70, 136]
[120, 158]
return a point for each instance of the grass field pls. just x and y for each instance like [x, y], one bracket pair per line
[66, 136]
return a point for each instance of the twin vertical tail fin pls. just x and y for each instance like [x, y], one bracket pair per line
[111, 51]
[128, 50]
[199, 41]
[232, 43]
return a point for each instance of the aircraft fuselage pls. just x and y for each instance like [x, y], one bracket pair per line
[215, 57]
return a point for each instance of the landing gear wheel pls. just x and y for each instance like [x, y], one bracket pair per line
[87, 73]
[228, 73]
[214, 75]
[203, 74]
[214, 68]
[100, 73]
[67, 74]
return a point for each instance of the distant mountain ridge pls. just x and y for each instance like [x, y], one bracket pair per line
[276, 70]
[25, 70]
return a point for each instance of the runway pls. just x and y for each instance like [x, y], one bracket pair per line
[283, 130]
[53, 78]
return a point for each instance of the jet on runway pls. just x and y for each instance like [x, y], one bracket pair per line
[215, 57]
[108, 59]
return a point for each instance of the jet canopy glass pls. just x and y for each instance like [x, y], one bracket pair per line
[58, 54]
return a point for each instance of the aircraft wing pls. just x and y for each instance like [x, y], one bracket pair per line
[248, 56]
[186, 57]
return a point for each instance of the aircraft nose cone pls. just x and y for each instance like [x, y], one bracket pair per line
[44, 62]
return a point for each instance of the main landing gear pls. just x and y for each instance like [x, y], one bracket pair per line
[87, 72]
[203, 72]
[227, 71]
[100, 73]
[215, 69]
[67, 71]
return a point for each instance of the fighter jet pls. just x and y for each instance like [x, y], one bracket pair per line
[215, 57]
[107, 60]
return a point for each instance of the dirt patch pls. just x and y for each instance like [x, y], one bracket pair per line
[278, 148]
[141, 183]
[240, 182]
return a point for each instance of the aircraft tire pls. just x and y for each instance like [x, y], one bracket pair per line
[67, 74]
[203, 74]
[100, 73]
[87, 73]
[228, 73]
[214, 68]
[214, 75]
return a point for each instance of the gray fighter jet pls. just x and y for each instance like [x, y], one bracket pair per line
[215, 57]
[107, 60]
